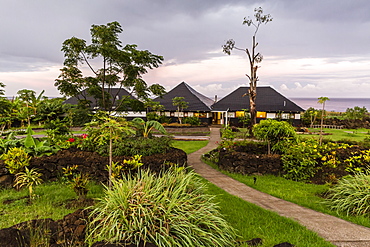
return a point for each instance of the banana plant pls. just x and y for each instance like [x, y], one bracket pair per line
[145, 128]
[34, 146]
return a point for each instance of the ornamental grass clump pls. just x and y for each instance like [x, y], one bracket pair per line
[351, 195]
[169, 209]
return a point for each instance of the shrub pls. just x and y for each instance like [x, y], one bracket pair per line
[227, 134]
[275, 133]
[139, 146]
[28, 178]
[299, 161]
[16, 159]
[351, 195]
[56, 128]
[167, 210]
[191, 120]
[77, 181]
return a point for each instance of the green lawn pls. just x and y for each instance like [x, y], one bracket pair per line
[189, 146]
[304, 194]
[340, 134]
[252, 221]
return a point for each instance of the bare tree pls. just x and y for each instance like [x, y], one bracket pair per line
[253, 56]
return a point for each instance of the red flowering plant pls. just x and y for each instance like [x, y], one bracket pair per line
[71, 140]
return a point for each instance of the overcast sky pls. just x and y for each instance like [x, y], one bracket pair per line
[311, 48]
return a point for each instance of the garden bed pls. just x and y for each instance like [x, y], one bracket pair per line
[91, 163]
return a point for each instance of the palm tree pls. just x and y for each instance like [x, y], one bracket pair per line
[322, 101]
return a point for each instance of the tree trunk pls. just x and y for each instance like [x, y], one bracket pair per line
[110, 162]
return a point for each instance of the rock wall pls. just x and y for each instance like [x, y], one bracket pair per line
[90, 162]
[250, 163]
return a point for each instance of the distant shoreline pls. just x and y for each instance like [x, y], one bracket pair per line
[334, 104]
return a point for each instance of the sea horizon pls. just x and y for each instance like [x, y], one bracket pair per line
[333, 104]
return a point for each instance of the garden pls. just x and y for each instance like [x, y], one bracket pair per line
[94, 188]
[331, 177]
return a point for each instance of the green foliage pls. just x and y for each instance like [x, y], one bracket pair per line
[181, 104]
[16, 159]
[358, 162]
[195, 121]
[356, 113]
[302, 160]
[51, 109]
[78, 116]
[310, 116]
[35, 147]
[139, 146]
[57, 127]
[351, 195]
[227, 134]
[77, 181]
[145, 128]
[121, 67]
[299, 161]
[246, 118]
[9, 142]
[274, 132]
[28, 178]
[106, 129]
[121, 168]
[169, 210]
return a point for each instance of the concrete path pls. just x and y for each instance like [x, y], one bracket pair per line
[337, 231]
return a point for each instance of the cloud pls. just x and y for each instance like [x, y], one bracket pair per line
[318, 43]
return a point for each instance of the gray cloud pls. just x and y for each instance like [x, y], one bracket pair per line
[32, 32]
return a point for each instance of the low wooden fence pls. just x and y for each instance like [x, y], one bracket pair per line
[329, 126]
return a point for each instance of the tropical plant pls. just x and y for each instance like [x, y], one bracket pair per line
[50, 109]
[274, 133]
[300, 160]
[140, 146]
[356, 113]
[35, 147]
[351, 194]
[227, 134]
[105, 129]
[309, 116]
[322, 101]
[9, 142]
[77, 180]
[181, 104]
[192, 120]
[245, 119]
[57, 127]
[121, 168]
[121, 67]
[79, 184]
[145, 128]
[167, 210]
[16, 159]
[28, 178]
[253, 57]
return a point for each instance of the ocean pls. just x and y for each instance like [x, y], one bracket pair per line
[334, 104]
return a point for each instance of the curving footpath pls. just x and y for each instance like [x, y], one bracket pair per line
[337, 231]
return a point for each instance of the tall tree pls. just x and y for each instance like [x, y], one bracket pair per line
[121, 67]
[322, 101]
[254, 58]
[5, 109]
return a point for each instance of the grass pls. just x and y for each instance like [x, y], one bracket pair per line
[50, 202]
[255, 222]
[189, 146]
[340, 134]
[304, 194]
